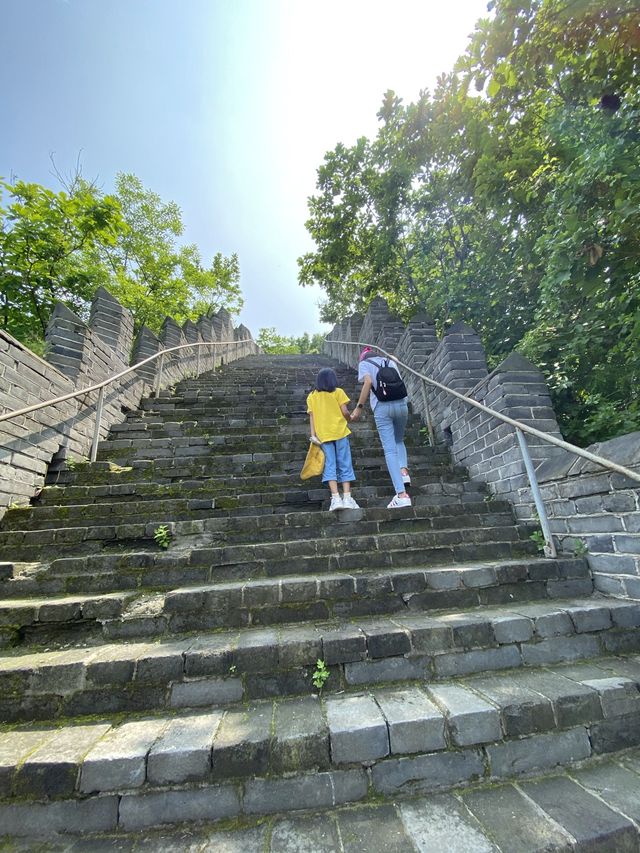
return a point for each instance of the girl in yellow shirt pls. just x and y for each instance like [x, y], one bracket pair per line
[328, 414]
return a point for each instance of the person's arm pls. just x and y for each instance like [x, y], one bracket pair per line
[364, 393]
[345, 412]
[312, 427]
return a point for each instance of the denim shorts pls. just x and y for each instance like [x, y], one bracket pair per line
[337, 461]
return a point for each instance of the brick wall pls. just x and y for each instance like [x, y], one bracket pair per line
[79, 355]
[587, 506]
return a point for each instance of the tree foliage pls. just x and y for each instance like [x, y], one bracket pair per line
[62, 245]
[275, 344]
[510, 198]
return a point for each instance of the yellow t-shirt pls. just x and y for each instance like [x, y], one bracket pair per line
[328, 419]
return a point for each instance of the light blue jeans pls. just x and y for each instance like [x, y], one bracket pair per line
[391, 420]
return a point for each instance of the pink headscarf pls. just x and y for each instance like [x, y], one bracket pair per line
[365, 352]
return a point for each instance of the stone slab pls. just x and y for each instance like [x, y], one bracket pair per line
[415, 724]
[52, 769]
[301, 736]
[440, 823]
[376, 830]
[588, 820]
[470, 719]
[119, 759]
[514, 822]
[183, 752]
[358, 731]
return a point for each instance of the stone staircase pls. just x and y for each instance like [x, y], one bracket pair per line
[163, 613]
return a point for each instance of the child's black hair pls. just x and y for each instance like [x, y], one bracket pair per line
[326, 380]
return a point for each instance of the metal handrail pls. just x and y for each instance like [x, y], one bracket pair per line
[100, 386]
[519, 427]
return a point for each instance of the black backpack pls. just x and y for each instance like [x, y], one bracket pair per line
[389, 384]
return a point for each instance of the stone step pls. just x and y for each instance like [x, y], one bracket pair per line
[140, 613]
[312, 752]
[594, 808]
[218, 449]
[270, 527]
[429, 494]
[214, 669]
[317, 554]
[201, 480]
[142, 428]
[171, 469]
[110, 572]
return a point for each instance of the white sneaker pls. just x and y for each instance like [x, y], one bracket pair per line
[349, 503]
[396, 502]
[406, 479]
[336, 503]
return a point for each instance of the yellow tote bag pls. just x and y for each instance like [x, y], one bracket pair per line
[314, 463]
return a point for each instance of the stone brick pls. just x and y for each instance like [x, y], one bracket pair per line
[514, 822]
[538, 752]
[301, 738]
[242, 743]
[522, 710]
[95, 814]
[118, 760]
[183, 751]
[470, 719]
[141, 810]
[425, 773]
[374, 829]
[358, 731]
[586, 818]
[206, 691]
[441, 822]
[415, 723]
[52, 769]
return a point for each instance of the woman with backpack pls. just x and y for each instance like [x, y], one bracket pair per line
[382, 383]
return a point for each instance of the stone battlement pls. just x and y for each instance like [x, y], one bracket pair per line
[588, 506]
[78, 355]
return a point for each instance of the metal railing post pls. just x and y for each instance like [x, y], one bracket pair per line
[197, 360]
[159, 375]
[550, 548]
[427, 413]
[96, 431]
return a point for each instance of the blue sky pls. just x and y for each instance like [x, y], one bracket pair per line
[224, 106]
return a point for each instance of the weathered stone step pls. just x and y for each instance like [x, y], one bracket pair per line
[432, 494]
[594, 808]
[142, 613]
[108, 572]
[270, 528]
[386, 549]
[207, 670]
[142, 428]
[251, 464]
[311, 752]
[198, 480]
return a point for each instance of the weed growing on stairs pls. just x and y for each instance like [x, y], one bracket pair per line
[76, 464]
[580, 548]
[320, 675]
[538, 537]
[162, 535]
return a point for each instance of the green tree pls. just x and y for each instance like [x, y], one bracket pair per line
[62, 245]
[275, 344]
[509, 197]
[44, 239]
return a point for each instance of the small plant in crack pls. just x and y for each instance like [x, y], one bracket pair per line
[580, 548]
[320, 675]
[162, 536]
[538, 538]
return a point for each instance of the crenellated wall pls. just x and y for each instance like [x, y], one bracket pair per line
[587, 506]
[78, 356]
